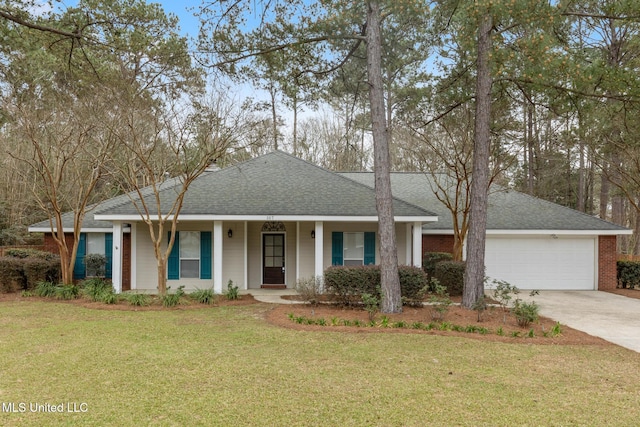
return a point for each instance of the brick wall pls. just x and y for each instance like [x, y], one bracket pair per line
[437, 243]
[607, 256]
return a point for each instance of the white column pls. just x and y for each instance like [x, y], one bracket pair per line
[217, 256]
[116, 262]
[417, 244]
[409, 244]
[297, 251]
[246, 256]
[134, 255]
[319, 249]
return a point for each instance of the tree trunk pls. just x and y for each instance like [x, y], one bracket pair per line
[391, 296]
[474, 274]
[162, 276]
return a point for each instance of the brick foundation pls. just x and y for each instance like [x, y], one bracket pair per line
[607, 268]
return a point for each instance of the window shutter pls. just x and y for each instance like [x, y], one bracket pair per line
[205, 255]
[108, 253]
[369, 248]
[79, 269]
[337, 249]
[173, 263]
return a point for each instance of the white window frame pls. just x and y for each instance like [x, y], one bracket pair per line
[185, 257]
[352, 261]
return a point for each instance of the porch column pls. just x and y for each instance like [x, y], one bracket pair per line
[217, 257]
[134, 255]
[409, 244]
[417, 244]
[297, 251]
[246, 256]
[319, 259]
[116, 261]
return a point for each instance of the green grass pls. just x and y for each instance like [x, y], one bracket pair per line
[224, 366]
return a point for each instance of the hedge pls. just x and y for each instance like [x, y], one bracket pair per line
[23, 268]
[431, 259]
[450, 274]
[628, 273]
[347, 284]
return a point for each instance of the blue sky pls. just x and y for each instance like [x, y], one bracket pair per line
[184, 9]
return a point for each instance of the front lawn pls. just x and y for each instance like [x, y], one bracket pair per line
[227, 366]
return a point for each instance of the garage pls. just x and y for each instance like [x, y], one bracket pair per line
[543, 262]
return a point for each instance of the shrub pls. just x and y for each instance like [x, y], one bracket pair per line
[171, 300]
[138, 300]
[309, 289]
[30, 253]
[232, 292]
[628, 273]
[66, 292]
[431, 259]
[11, 275]
[450, 274]
[24, 268]
[96, 264]
[525, 312]
[37, 269]
[439, 302]
[96, 289]
[204, 296]
[347, 284]
[371, 305]
[45, 289]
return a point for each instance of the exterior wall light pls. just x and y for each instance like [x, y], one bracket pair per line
[230, 233]
[313, 234]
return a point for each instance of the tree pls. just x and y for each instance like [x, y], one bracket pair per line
[329, 34]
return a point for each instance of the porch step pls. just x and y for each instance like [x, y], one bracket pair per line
[273, 286]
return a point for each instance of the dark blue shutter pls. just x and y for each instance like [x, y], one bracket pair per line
[369, 248]
[79, 269]
[173, 263]
[337, 248]
[205, 255]
[108, 253]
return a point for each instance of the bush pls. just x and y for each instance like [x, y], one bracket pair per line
[66, 292]
[431, 259]
[96, 289]
[204, 296]
[628, 273]
[171, 300]
[45, 289]
[138, 300]
[525, 312]
[450, 274]
[347, 284]
[309, 289]
[232, 292]
[95, 264]
[439, 302]
[23, 268]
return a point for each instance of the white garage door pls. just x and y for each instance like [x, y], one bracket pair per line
[560, 263]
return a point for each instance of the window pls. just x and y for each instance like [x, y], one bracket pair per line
[353, 248]
[93, 243]
[189, 254]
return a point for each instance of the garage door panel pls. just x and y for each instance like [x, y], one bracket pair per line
[542, 263]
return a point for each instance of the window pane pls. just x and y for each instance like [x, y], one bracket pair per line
[353, 246]
[268, 262]
[190, 244]
[268, 250]
[353, 262]
[95, 243]
[189, 268]
[268, 240]
[277, 261]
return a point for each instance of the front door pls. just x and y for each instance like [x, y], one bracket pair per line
[273, 259]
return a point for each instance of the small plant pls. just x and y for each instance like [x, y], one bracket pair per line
[309, 289]
[26, 294]
[503, 293]
[204, 296]
[531, 333]
[109, 298]
[525, 312]
[371, 305]
[321, 322]
[232, 292]
[556, 330]
[401, 324]
[384, 322]
[515, 334]
[480, 306]
[66, 292]
[440, 302]
[500, 331]
[334, 321]
[95, 288]
[138, 300]
[45, 289]
[417, 325]
[172, 300]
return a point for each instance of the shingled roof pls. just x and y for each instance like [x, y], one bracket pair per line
[507, 209]
[276, 184]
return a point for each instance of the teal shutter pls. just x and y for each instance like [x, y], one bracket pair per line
[369, 248]
[173, 263]
[79, 269]
[108, 253]
[205, 255]
[337, 249]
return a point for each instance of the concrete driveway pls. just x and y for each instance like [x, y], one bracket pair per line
[609, 316]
